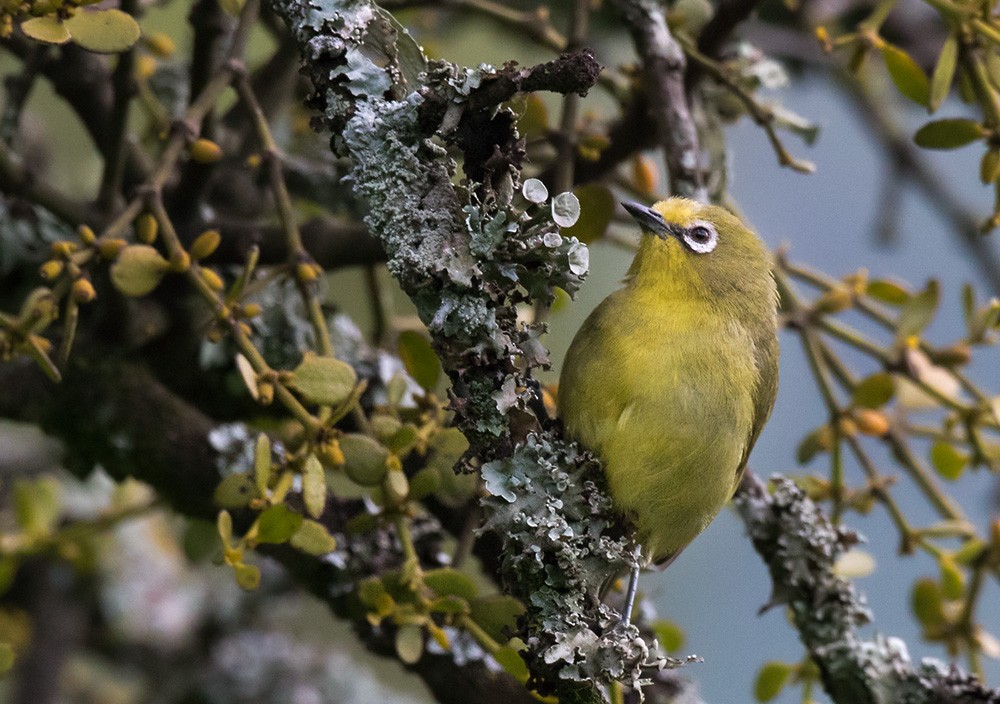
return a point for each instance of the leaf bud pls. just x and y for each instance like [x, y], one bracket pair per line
[146, 228]
[330, 454]
[83, 291]
[145, 67]
[63, 248]
[250, 310]
[265, 392]
[211, 278]
[643, 175]
[161, 44]
[871, 422]
[205, 244]
[110, 248]
[51, 269]
[847, 427]
[86, 235]
[205, 151]
[307, 273]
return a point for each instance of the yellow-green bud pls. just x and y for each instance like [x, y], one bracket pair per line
[205, 151]
[213, 280]
[146, 228]
[83, 291]
[86, 235]
[51, 269]
[205, 244]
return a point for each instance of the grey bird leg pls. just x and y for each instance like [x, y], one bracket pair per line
[633, 587]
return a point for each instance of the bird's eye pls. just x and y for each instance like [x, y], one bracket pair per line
[701, 237]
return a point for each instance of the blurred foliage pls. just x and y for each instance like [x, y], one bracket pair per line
[195, 256]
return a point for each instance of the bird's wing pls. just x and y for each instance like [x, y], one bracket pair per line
[765, 356]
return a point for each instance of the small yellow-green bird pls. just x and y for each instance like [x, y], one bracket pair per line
[671, 378]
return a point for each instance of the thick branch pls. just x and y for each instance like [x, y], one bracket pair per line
[663, 69]
[800, 547]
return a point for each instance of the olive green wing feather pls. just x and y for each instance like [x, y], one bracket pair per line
[765, 357]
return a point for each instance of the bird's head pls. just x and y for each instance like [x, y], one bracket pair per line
[693, 249]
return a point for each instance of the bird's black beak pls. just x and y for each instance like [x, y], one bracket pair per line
[650, 220]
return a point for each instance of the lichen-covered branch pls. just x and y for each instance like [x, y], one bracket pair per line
[800, 546]
[467, 255]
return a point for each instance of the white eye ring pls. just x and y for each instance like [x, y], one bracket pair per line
[701, 237]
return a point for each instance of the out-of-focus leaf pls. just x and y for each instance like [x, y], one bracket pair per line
[324, 380]
[597, 206]
[313, 538]
[874, 391]
[668, 634]
[944, 72]
[247, 576]
[447, 581]
[49, 29]
[909, 78]
[104, 31]
[497, 615]
[918, 312]
[277, 524]
[138, 270]
[364, 459]
[927, 602]
[949, 133]
[235, 491]
[419, 358]
[409, 643]
[947, 460]
[771, 679]
[313, 486]
[888, 292]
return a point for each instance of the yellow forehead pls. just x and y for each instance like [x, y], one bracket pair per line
[680, 211]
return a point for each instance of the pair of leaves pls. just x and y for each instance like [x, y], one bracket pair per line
[102, 31]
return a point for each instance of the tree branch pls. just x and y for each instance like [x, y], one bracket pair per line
[800, 547]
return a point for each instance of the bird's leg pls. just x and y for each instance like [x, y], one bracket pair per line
[633, 587]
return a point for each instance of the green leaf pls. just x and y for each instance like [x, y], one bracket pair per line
[944, 72]
[950, 133]
[262, 464]
[247, 576]
[313, 538]
[324, 380]
[277, 524]
[104, 31]
[927, 602]
[201, 540]
[403, 440]
[888, 292]
[447, 448]
[373, 594]
[235, 491]
[364, 459]
[947, 460]
[49, 29]
[424, 483]
[497, 615]
[909, 78]
[313, 486]
[812, 444]
[597, 206]
[952, 578]
[36, 505]
[224, 524]
[874, 391]
[447, 581]
[419, 358]
[138, 270]
[989, 166]
[771, 679]
[669, 635]
[534, 121]
[918, 312]
[409, 643]
[512, 662]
